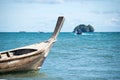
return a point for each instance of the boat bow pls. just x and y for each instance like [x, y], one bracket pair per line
[29, 57]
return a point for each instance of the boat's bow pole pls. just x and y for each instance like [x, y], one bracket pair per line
[58, 27]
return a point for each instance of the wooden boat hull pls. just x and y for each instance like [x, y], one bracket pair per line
[31, 61]
[28, 63]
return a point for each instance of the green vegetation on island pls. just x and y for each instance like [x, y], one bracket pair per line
[83, 28]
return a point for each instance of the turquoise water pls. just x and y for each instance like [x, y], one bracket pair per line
[91, 56]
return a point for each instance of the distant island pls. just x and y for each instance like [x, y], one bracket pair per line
[83, 28]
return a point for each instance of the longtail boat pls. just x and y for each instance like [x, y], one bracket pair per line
[29, 57]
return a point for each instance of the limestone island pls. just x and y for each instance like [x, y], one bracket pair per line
[83, 28]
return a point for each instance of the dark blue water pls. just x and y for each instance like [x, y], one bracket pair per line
[91, 56]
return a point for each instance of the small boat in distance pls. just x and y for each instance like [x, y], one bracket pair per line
[41, 32]
[22, 31]
[29, 57]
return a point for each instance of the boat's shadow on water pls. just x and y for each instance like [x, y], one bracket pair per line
[23, 75]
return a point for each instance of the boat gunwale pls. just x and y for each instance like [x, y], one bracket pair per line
[24, 47]
[49, 42]
[22, 56]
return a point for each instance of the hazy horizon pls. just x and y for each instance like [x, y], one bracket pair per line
[41, 15]
[51, 31]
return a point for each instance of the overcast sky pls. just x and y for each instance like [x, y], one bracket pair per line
[41, 15]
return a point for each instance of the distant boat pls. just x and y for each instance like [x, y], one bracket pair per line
[22, 31]
[78, 32]
[40, 32]
[29, 57]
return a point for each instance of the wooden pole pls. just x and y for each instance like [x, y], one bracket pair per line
[58, 27]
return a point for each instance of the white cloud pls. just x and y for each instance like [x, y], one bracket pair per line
[52, 1]
[41, 1]
[113, 21]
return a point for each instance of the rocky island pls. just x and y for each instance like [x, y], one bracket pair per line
[83, 28]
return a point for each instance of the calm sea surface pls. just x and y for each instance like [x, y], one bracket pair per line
[91, 56]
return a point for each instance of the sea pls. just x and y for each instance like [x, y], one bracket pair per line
[90, 56]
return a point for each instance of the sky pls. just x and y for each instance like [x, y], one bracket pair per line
[41, 15]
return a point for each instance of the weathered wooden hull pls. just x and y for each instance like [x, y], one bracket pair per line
[29, 63]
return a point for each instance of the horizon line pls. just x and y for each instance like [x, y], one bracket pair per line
[49, 32]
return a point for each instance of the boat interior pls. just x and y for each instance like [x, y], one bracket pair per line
[16, 53]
